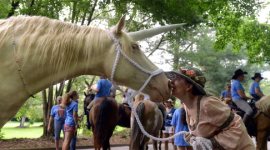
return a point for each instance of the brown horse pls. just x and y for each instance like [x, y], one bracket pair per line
[262, 122]
[87, 100]
[105, 114]
[103, 119]
[151, 119]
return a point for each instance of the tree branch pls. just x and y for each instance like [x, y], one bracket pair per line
[160, 41]
[92, 12]
[13, 8]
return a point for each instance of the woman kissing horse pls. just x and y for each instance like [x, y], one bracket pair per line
[151, 118]
[40, 52]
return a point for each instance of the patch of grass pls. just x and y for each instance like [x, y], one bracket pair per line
[13, 132]
[10, 130]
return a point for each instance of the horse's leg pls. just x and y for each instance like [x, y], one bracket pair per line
[154, 144]
[261, 140]
[106, 142]
[160, 142]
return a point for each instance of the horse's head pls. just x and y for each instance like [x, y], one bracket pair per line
[88, 98]
[129, 75]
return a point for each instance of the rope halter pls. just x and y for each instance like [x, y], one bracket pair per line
[130, 97]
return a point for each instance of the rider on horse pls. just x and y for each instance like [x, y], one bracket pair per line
[255, 90]
[239, 97]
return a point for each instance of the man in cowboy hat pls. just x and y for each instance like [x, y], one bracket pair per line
[239, 97]
[255, 89]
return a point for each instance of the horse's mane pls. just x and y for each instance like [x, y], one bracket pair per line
[264, 103]
[54, 41]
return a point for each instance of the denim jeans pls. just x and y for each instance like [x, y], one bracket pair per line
[58, 126]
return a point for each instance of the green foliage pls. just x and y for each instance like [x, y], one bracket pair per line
[218, 67]
[4, 8]
[2, 134]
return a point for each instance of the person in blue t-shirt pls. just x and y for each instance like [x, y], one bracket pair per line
[103, 88]
[168, 127]
[179, 124]
[227, 93]
[239, 97]
[71, 122]
[255, 90]
[59, 115]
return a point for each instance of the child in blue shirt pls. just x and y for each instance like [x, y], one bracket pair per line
[227, 93]
[103, 88]
[59, 115]
[168, 127]
[179, 124]
[71, 122]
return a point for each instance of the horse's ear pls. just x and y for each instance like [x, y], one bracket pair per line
[120, 25]
[85, 94]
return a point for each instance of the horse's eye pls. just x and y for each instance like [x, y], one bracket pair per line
[134, 46]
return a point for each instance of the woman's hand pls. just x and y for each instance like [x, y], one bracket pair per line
[49, 128]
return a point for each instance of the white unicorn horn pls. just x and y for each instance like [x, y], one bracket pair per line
[140, 35]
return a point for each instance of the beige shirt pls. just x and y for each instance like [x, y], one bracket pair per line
[216, 122]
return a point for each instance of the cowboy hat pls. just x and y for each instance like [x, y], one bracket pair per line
[257, 75]
[237, 73]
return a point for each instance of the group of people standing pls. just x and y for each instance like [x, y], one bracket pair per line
[65, 116]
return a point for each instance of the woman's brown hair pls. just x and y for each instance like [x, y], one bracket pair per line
[68, 98]
[183, 117]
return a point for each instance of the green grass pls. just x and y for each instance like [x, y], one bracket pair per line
[10, 131]
[34, 131]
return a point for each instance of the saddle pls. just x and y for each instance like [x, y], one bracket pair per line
[241, 113]
[253, 126]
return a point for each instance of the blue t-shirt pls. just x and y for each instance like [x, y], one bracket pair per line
[73, 106]
[169, 117]
[226, 94]
[236, 85]
[179, 126]
[252, 88]
[104, 87]
[58, 113]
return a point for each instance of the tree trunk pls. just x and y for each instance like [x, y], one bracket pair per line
[69, 85]
[45, 106]
[14, 6]
[23, 121]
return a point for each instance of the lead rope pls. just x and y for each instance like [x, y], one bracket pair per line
[130, 97]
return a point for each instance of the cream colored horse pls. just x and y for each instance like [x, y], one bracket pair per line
[51, 51]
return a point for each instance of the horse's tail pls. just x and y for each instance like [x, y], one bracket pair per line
[103, 125]
[264, 103]
[136, 132]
